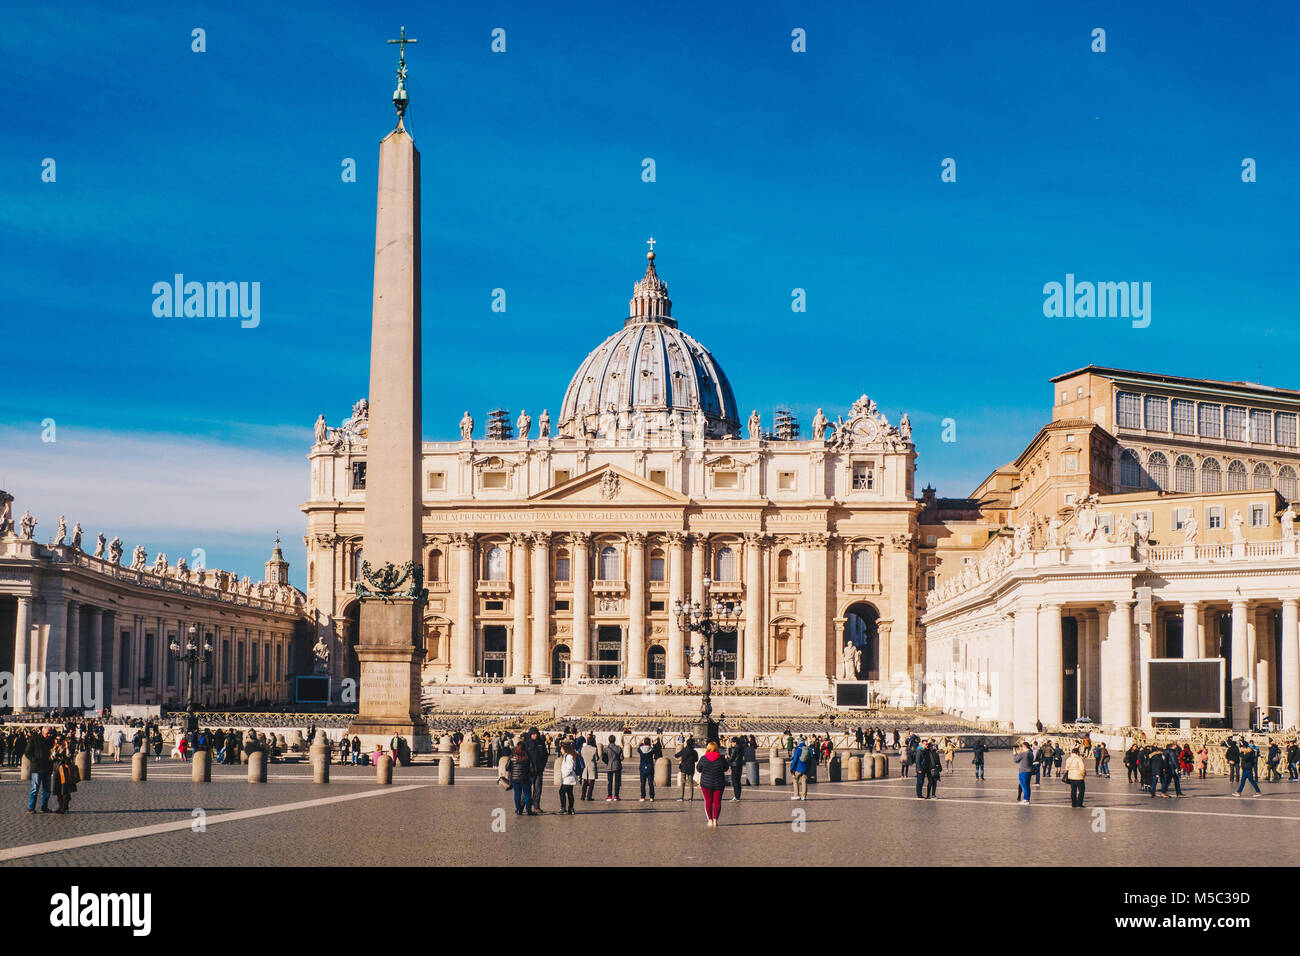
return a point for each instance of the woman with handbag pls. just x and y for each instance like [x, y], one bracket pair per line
[65, 776]
[521, 779]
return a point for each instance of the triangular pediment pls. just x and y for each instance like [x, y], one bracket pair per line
[610, 485]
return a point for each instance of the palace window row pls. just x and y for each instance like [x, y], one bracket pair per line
[1155, 475]
[1181, 416]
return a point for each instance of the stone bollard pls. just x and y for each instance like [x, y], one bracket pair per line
[201, 768]
[83, 765]
[384, 770]
[446, 771]
[139, 768]
[883, 772]
[834, 769]
[257, 767]
[25, 769]
[627, 748]
[556, 766]
[751, 775]
[776, 770]
[853, 768]
[869, 766]
[444, 744]
[243, 755]
[320, 766]
[468, 754]
[663, 772]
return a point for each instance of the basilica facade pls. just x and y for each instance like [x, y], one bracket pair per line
[557, 555]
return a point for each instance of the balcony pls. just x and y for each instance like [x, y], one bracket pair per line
[500, 589]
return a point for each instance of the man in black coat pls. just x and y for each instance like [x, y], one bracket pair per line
[535, 747]
[38, 751]
[736, 755]
[924, 762]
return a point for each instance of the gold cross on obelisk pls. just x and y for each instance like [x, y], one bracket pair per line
[399, 95]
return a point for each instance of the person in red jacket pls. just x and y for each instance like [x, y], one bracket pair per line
[713, 769]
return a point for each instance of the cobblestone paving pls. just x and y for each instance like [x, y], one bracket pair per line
[866, 822]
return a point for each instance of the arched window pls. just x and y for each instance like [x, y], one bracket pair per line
[861, 566]
[1158, 471]
[1286, 483]
[726, 565]
[496, 564]
[1184, 474]
[356, 565]
[1236, 476]
[609, 569]
[435, 566]
[1130, 472]
[784, 566]
[1211, 476]
[1263, 478]
[656, 565]
[561, 565]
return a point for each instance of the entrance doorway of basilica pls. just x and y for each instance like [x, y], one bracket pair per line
[494, 651]
[657, 664]
[560, 664]
[609, 645]
[861, 631]
[724, 651]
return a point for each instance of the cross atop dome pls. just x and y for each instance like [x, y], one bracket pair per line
[651, 243]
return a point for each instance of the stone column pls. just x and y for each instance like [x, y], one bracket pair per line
[817, 662]
[519, 655]
[699, 564]
[1024, 666]
[1263, 653]
[96, 662]
[1144, 643]
[540, 638]
[580, 569]
[72, 658]
[1290, 662]
[635, 652]
[462, 663]
[56, 614]
[1084, 662]
[1191, 641]
[1117, 667]
[1051, 665]
[676, 645]
[22, 635]
[755, 623]
[1239, 667]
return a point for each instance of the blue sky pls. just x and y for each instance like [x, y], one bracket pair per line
[775, 170]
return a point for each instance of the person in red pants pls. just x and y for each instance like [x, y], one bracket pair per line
[713, 769]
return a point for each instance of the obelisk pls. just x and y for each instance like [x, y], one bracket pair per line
[390, 645]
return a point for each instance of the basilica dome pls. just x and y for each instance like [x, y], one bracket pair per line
[647, 373]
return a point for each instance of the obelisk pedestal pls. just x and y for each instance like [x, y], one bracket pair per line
[390, 645]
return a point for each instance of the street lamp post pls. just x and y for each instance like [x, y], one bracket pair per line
[191, 655]
[707, 621]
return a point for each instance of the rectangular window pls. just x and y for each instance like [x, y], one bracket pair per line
[494, 605]
[1286, 429]
[659, 477]
[931, 539]
[929, 582]
[124, 661]
[1261, 426]
[863, 479]
[1208, 419]
[1179, 517]
[785, 481]
[726, 479]
[1106, 521]
[252, 662]
[494, 479]
[358, 476]
[562, 569]
[225, 662]
[239, 663]
[1184, 417]
[561, 605]
[1258, 518]
[1128, 410]
[1214, 517]
[437, 480]
[279, 662]
[1070, 461]
[1234, 423]
[171, 662]
[150, 646]
[266, 660]
[1157, 413]
[561, 476]
[656, 568]
[656, 605]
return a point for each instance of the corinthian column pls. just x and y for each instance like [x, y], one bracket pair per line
[581, 574]
[462, 658]
[541, 625]
[676, 645]
[754, 616]
[519, 659]
[22, 633]
[1239, 671]
[636, 617]
[817, 662]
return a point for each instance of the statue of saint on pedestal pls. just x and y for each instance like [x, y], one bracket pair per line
[1288, 524]
[28, 524]
[820, 421]
[544, 424]
[466, 426]
[322, 430]
[100, 541]
[523, 425]
[847, 670]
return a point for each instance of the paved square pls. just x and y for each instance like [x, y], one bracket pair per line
[290, 821]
